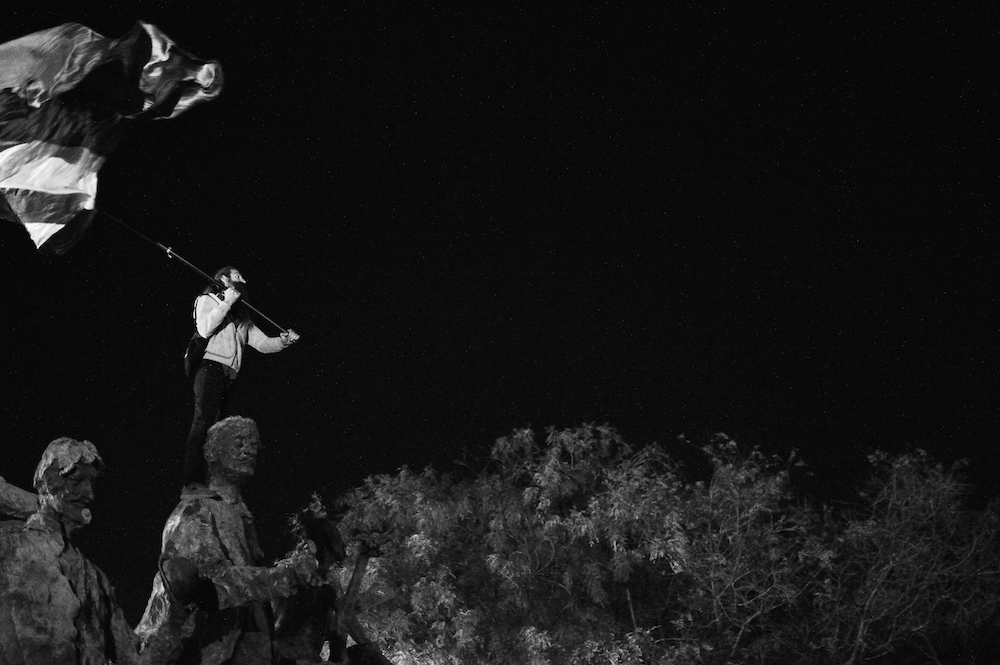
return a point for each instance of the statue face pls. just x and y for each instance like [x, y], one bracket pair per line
[238, 457]
[66, 497]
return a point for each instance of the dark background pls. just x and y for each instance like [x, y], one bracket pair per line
[776, 223]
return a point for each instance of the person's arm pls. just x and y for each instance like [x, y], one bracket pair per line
[258, 340]
[209, 314]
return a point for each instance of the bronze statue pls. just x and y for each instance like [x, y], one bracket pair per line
[212, 596]
[56, 607]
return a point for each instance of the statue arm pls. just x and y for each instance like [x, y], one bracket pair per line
[241, 585]
[126, 642]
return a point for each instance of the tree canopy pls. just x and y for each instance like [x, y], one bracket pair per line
[584, 549]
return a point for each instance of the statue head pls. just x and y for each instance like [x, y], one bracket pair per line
[64, 480]
[231, 449]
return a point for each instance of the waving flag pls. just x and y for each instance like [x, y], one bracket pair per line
[64, 94]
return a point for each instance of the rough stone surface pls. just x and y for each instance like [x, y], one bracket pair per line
[186, 619]
[16, 502]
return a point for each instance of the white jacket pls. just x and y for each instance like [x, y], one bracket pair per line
[226, 336]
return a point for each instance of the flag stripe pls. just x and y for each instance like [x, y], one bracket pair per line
[49, 167]
[46, 185]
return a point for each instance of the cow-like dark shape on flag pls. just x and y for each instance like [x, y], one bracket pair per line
[64, 93]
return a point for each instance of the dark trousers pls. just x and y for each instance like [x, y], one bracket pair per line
[212, 387]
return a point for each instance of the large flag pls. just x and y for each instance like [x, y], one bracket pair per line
[64, 94]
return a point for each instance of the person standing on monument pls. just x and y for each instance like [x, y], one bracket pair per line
[56, 607]
[225, 323]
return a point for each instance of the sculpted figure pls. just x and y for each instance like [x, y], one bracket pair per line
[212, 596]
[56, 607]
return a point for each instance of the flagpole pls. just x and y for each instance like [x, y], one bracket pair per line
[174, 255]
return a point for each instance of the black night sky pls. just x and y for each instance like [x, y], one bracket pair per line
[775, 223]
